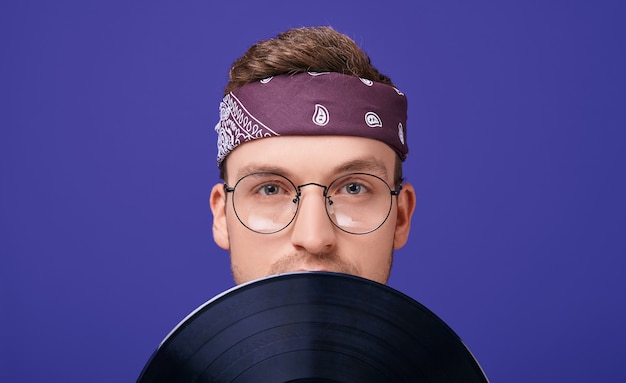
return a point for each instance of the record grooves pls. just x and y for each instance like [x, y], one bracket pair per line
[312, 327]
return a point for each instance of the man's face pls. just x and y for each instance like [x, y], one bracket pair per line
[311, 242]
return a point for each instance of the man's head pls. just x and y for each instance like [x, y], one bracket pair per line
[301, 193]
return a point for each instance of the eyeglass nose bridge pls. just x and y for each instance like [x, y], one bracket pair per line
[299, 190]
[329, 201]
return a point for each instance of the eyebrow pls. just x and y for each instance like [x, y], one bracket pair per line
[366, 165]
[369, 165]
[261, 168]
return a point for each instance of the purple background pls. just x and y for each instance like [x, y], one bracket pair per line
[516, 129]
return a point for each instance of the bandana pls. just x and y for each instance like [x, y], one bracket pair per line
[312, 104]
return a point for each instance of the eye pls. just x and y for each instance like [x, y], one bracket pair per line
[269, 189]
[355, 185]
[353, 188]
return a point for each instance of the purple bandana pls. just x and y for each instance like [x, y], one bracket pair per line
[312, 104]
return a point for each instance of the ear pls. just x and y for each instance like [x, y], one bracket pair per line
[217, 200]
[406, 206]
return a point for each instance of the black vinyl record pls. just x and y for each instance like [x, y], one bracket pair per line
[312, 327]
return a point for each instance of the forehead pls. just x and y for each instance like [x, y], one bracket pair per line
[312, 158]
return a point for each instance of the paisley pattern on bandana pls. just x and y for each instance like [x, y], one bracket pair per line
[237, 126]
[309, 104]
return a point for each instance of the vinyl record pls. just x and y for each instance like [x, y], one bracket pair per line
[312, 327]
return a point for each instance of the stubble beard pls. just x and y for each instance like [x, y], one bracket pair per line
[329, 262]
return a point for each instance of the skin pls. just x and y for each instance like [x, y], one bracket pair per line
[311, 242]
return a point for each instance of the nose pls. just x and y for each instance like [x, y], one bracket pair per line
[312, 230]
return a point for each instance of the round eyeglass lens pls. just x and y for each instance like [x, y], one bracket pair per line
[265, 202]
[358, 203]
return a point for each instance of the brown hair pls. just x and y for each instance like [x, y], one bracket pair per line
[309, 49]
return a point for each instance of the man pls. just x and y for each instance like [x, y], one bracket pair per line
[310, 144]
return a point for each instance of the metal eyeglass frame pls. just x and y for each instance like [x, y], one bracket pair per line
[296, 200]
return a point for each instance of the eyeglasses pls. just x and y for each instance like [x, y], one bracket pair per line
[357, 203]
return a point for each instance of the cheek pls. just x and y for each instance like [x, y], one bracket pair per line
[251, 254]
[374, 255]
[373, 251]
[244, 246]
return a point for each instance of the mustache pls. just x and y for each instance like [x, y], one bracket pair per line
[298, 261]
